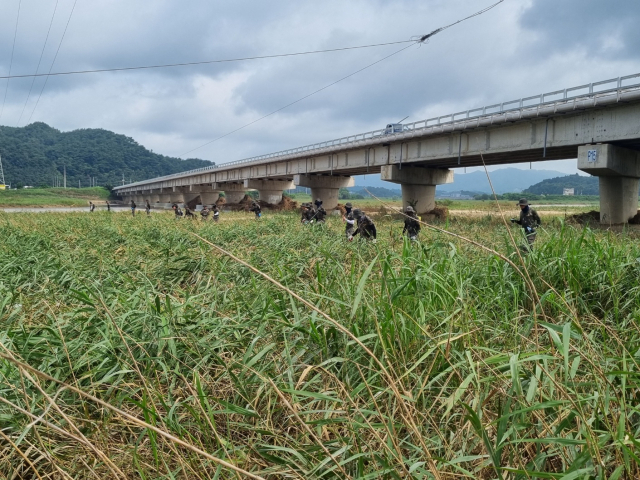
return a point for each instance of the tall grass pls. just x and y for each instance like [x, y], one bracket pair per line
[131, 349]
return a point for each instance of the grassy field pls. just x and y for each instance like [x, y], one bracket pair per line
[132, 348]
[557, 202]
[52, 197]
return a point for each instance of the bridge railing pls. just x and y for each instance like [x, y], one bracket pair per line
[619, 85]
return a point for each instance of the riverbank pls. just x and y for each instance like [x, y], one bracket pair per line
[53, 197]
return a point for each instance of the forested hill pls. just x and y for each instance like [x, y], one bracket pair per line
[583, 185]
[35, 154]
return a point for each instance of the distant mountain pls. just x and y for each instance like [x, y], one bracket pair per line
[35, 154]
[554, 186]
[505, 180]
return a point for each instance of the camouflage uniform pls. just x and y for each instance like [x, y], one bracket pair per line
[255, 208]
[176, 210]
[411, 224]
[350, 228]
[529, 220]
[366, 227]
[204, 213]
[321, 213]
[310, 213]
[216, 213]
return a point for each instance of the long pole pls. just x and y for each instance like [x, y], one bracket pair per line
[1, 170]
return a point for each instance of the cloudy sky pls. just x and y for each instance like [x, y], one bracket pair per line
[520, 48]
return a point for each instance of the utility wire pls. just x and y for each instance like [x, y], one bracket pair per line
[204, 62]
[15, 35]
[414, 41]
[55, 8]
[426, 37]
[300, 99]
[54, 60]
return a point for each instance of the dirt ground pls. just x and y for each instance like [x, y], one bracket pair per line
[286, 204]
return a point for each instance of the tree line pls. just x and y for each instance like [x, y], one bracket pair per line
[38, 154]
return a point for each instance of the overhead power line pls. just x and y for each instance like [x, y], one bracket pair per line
[204, 62]
[55, 8]
[426, 37]
[416, 40]
[300, 99]
[54, 60]
[15, 35]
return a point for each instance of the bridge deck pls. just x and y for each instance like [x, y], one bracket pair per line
[512, 132]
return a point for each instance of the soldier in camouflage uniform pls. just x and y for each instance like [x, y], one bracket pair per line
[411, 224]
[349, 220]
[320, 212]
[529, 220]
[216, 213]
[204, 213]
[366, 227]
[304, 212]
[255, 208]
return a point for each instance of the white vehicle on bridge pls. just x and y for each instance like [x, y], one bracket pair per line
[393, 128]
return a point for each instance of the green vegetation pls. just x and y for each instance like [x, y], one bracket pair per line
[52, 197]
[379, 192]
[514, 197]
[583, 185]
[35, 154]
[345, 194]
[431, 360]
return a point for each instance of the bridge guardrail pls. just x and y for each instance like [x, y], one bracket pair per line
[592, 90]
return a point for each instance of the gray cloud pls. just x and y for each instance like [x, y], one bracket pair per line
[518, 49]
[604, 29]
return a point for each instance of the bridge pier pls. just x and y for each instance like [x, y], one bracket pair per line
[618, 172]
[164, 196]
[176, 196]
[233, 192]
[270, 191]
[208, 194]
[418, 184]
[324, 187]
[190, 194]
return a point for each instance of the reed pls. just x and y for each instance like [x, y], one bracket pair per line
[130, 348]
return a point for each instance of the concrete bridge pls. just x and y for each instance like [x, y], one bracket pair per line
[597, 123]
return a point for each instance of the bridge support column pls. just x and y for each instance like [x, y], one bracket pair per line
[209, 198]
[176, 196]
[418, 184]
[208, 194]
[270, 191]
[154, 197]
[618, 172]
[164, 197]
[190, 195]
[233, 192]
[326, 188]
